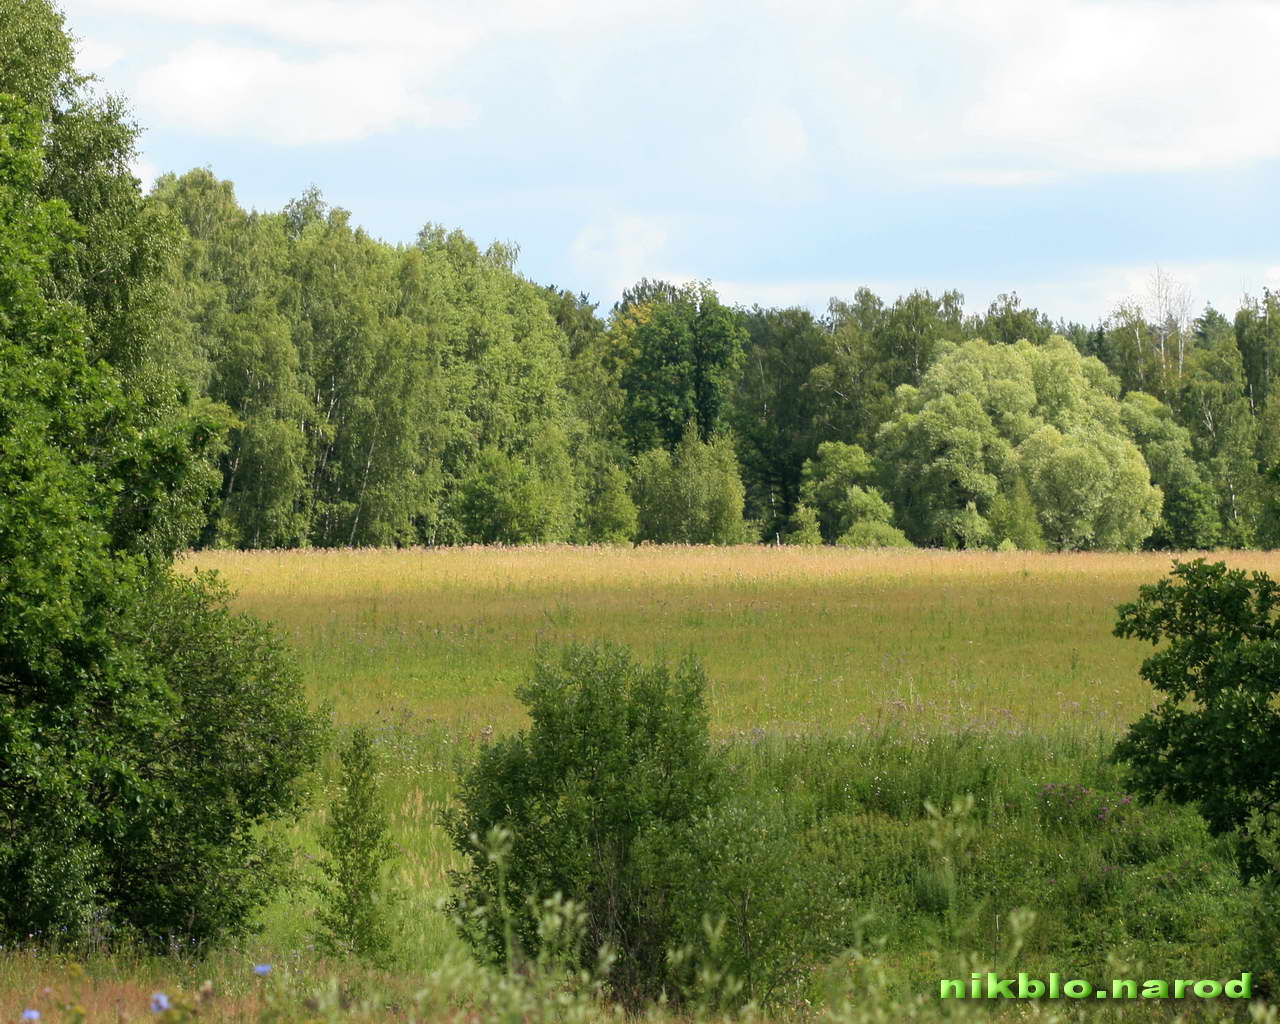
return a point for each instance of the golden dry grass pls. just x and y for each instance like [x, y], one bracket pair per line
[793, 639]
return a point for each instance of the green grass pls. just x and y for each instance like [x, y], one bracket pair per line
[857, 684]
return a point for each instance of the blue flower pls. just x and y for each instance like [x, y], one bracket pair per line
[261, 970]
[30, 1014]
[159, 1002]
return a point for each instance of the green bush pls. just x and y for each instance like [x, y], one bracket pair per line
[803, 529]
[693, 495]
[873, 533]
[1211, 741]
[754, 872]
[227, 761]
[357, 845]
[616, 763]
[148, 737]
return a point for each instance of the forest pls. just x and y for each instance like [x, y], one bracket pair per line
[351, 392]
[376, 394]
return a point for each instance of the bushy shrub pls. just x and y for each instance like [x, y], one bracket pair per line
[758, 903]
[1212, 739]
[804, 530]
[136, 798]
[615, 800]
[228, 759]
[692, 496]
[147, 736]
[357, 845]
[873, 533]
[616, 762]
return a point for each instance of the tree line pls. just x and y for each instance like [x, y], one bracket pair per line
[304, 384]
[377, 394]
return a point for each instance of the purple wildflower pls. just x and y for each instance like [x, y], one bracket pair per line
[159, 1002]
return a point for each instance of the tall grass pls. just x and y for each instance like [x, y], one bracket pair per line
[793, 639]
[858, 685]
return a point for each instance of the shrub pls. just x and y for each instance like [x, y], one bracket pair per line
[357, 845]
[616, 763]
[1211, 740]
[759, 904]
[148, 736]
[228, 759]
[692, 496]
[804, 529]
[872, 533]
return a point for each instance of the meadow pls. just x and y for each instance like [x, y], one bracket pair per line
[855, 684]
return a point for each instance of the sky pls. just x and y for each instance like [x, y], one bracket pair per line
[786, 152]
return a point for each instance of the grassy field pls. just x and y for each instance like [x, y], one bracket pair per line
[809, 640]
[814, 657]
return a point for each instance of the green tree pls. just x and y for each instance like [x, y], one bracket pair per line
[1257, 334]
[691, 496]
[617, 760]
[880, 348]
[610, 515]
[987, 414]
[357, 846]
[1211, 739]
[232, 293]
[1007, 321]
[114, 267]
[1012, 517]
[776, 412]
[147, 736]
[684, 356]
[834, 488]
[804, 529]
[1211, 403]
[1189, 516]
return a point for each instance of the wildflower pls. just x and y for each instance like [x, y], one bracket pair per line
[159, 1002]
[261, 970]
[30, 1014]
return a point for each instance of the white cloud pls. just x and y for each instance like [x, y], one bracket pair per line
[145, 171]
[1134, 85]
[999, 93]
[616, 250]
[339, 97]
[95, 56]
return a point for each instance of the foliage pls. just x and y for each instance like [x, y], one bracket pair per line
[805, 529]
[1210, 741]
[610, 514]
[985, 415]
[778, 416]
[691, 496]
[832, 485]
[148, 737]
[684, 353]
[617, 762]
[227, 763]
[357, 846]
[1012, 518]
[873, 533]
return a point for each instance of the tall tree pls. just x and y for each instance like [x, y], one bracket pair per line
[987, 415]
[683, 357]
[128, 696]
[777, 410]
[1211, 402]
[1257, 331]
